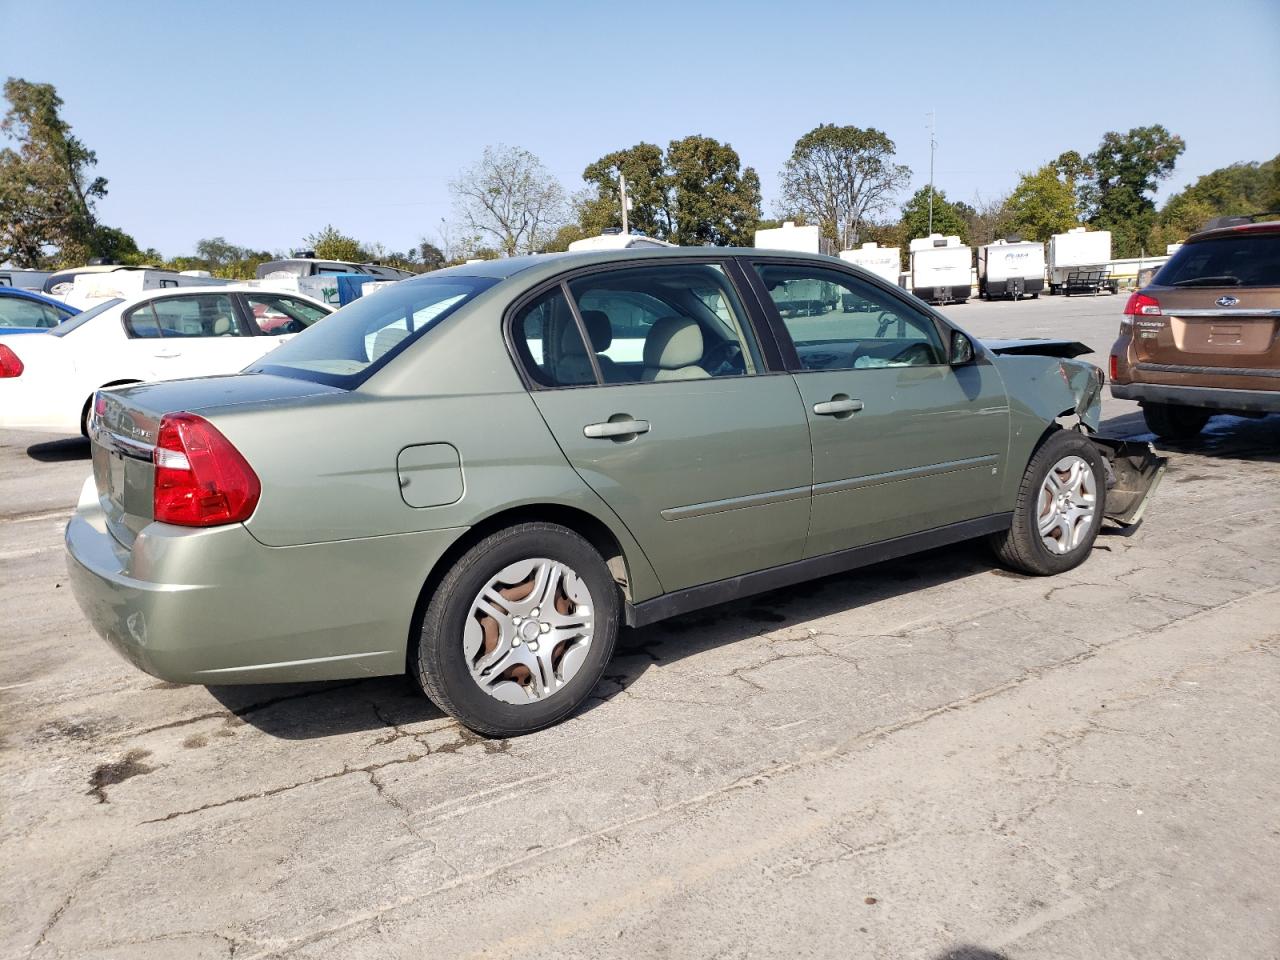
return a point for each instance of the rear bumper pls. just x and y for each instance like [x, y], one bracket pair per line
[1213, 398]
[215, 606]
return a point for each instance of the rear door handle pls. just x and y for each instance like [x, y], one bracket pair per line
[615, 428]
[838, 406]
[168, 354]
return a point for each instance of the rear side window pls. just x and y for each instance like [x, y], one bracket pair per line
[364, 335]
[1242, 260]
[199, 315]
[547, 338]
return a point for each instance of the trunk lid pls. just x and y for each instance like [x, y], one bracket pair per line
[126, 420]
[1216, 327]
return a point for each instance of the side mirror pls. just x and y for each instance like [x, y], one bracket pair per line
[961, 349]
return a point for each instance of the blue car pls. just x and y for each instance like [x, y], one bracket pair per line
[25, 311]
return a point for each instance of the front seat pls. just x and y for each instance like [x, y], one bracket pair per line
[672, 350]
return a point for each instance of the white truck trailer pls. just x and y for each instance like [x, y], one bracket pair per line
[790, 237]
[1010, 268]
[884, 262]
[1079, 259]
[941, 269]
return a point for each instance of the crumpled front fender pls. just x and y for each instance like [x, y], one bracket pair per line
[1054, 386]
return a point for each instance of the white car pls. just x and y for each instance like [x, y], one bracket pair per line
[47, 380]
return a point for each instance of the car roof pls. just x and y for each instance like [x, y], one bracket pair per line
[19, 293]
[211, 288]
[546, 264]
[1263, 226]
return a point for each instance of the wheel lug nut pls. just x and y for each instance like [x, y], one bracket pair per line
[533, 612]
[544, 627]
[515, 642]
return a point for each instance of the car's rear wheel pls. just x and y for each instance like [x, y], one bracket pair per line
[1059, 507]
[519, 631]
[1170, 422]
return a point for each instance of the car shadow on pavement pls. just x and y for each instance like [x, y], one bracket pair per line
[60, 451]
[1225, 437]
[308, 711]
[970, 952]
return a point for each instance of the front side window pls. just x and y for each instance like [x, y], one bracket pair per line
[665, 322]
[275, 315]
[358, 339]
[197, 315]
[839, 322]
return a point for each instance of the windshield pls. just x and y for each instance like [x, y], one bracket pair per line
[1242, 260]
[345, 348]
[66, 326]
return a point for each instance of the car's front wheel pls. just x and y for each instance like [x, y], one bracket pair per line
[519, 631]
[1170, 422]
[1059, 507]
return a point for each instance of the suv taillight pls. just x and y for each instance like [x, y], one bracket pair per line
[1141, 305]
[10, 365]
[201, 479]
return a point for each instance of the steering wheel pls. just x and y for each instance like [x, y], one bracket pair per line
[724, 358]
[913, 355]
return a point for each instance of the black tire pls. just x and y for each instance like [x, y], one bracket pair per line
[1021, 547]
[1170, 422]
[441, 662]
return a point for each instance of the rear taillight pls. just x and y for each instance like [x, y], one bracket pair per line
[10, 365]
[1114, 367]
[1141, 305]
[201, 479]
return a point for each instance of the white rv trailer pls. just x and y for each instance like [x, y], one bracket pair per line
[614, 239]
[24, 279]
[1010, 268]
[790, 237]
[941, 269]
[1076, 250]
[884, 262]
[89, 289]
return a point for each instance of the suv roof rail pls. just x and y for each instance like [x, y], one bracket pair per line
[1239, 219]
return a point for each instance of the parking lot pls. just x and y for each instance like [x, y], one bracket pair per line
[929, 758]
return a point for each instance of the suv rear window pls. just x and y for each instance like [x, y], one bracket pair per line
[345, 348]
[1242, 260]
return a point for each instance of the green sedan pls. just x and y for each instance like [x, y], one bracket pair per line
[477, 475]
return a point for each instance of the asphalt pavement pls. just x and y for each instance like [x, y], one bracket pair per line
[932, 758]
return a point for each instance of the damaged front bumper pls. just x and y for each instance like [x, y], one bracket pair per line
[1134, 471]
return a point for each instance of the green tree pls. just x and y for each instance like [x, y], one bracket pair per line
[46, 190]
[332, 244]
[838, 177]
[1042, 204]
[716, 200]
[648, 189]
[565, 236]
[430, 256]
[947, 220]
[1238, 189]
[1119, 178]
[696, 192]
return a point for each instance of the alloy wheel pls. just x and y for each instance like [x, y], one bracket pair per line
[1067, 503]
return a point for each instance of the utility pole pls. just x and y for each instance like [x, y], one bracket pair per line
[622, 190]
[933, 145]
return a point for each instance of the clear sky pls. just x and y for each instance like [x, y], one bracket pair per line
[261, 122]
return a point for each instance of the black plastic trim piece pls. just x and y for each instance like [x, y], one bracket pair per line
[722, 591]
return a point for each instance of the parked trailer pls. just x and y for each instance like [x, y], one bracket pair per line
[1010, 268]
[941, 269]
[24, 279]
[885, 262]
[790, 237]
[1077, 251]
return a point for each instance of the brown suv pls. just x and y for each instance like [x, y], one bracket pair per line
[1204, 336]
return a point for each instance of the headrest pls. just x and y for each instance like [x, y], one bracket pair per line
[672, 343]
[599, 329]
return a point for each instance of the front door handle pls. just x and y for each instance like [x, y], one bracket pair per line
[167, 354]
[838, 406]
[614, 429]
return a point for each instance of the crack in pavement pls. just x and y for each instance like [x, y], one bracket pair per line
[85, 879]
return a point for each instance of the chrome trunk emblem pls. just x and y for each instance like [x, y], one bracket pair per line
[1228, 301]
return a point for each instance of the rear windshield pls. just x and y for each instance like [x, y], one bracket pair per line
[1243, 260]
[79, 320]
[345, 348]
